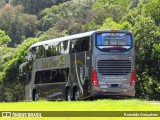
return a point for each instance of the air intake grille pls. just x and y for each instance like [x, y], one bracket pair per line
[114, 67]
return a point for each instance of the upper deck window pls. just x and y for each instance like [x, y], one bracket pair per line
[113, 41]
[80, 45]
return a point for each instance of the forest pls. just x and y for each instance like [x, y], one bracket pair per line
[24, 22]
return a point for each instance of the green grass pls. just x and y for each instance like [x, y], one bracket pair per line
[97, 105]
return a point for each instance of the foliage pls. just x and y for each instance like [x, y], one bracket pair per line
[9, 75]
[110, 24]
[12, 92]
[10, 71]
[115, 9]
[35, 6]
[71, 15]
[4, 50]
[4, 39]
[102, 3]
[51, 34]
[146, 35]
[17, 24]
[6, 54]
[153, 9]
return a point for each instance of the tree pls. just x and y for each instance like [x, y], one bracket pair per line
[146, 35]
[4, 39]
[110, 24]
[51, 34]
[5, 52]
[17, 24]
[153, 9]
[11, 86]
[115, 9]
[35, 6]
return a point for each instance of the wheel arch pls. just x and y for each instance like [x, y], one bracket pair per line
[68, 86]
[75, 89]
[34, 91]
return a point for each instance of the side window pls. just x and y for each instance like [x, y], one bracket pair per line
[80, 45]
[38, 77]
[49, 51]
[52, 76]
[53, 49]
[55, 76]
[46, 76]
[42, 77]
[73, 46]
[43, 55]
[65, 73]
[85, 44]
[65, 47]
[59, 75]
[28, 74]
[38, 53]
[56, 48]
[32, 54]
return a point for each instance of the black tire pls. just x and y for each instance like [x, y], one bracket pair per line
[76, 95]
[35, 96]
[68, 95]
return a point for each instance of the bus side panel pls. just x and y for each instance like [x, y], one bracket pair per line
[29, 87]
[54, 91]
[79, 74]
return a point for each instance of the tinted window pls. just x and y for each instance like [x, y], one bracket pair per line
[51, 76]
[113, 41]
[64, 47]
[49, 51]
[80, 45]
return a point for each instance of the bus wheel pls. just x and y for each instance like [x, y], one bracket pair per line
[68, 95]
[76, 95]
[35, 95]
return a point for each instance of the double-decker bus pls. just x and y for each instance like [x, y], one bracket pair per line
[95, 63]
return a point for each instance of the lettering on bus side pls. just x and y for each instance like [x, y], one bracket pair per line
[45, 64]
[53, 63]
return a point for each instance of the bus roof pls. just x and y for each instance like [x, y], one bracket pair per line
[46, 42]
[69, 37]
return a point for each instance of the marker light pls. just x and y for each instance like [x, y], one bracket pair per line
[94, 78]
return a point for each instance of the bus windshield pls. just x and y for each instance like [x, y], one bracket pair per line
[113, 41]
